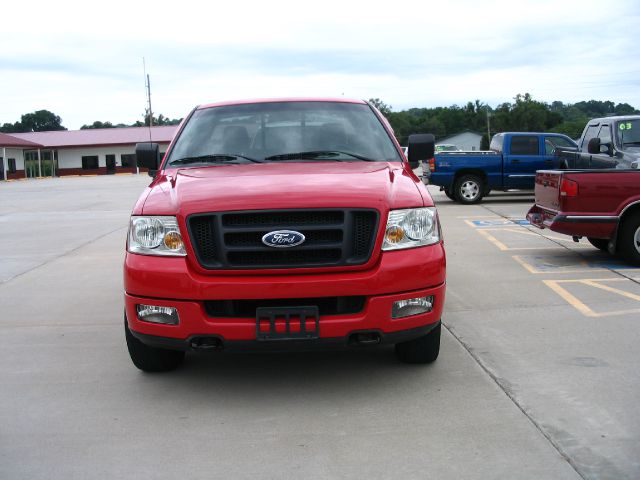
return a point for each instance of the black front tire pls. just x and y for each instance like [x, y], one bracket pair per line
[469, 189]
[448, 193]
[424, 349]
[151, 359]
[599, 243]
[629, 239]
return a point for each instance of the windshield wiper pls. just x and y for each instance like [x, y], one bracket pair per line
[212, 158]
[315, 154]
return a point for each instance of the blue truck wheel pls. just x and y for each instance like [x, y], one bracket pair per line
[469, 189]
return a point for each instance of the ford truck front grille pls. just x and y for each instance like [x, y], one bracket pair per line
[233, 240]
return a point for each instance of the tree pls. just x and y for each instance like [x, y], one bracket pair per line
[11, 128]
[625, 109]
[41, 121]
[98, 124]
[380, 105]
[160, 120]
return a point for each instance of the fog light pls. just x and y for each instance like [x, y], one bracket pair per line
[412, 306]
[158, 314]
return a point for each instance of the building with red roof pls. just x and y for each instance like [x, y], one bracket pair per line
[76, 152]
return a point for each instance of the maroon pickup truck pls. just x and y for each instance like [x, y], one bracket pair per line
[602, 205]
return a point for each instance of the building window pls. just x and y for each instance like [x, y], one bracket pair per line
[90, 162]
[11, 165]
[128, 160]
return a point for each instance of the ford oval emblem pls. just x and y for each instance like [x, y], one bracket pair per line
[283, 239]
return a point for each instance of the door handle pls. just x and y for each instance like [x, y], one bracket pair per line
[515, 160]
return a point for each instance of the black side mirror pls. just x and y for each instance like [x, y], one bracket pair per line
[421, 147]
[148, 156]
[593, 146]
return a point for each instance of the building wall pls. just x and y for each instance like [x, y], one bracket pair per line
[465, 141]
[18, 155]
[70, 159]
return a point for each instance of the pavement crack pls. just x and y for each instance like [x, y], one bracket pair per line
[508, 391]
[55, 259]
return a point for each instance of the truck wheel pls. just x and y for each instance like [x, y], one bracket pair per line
[468, 189]
[629, 239]
[448, 193]
[599, 243]
[421, 350]
[151, 359]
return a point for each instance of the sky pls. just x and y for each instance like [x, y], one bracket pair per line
[84, 60]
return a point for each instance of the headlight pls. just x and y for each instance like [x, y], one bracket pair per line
[413, 227]
[155, 236]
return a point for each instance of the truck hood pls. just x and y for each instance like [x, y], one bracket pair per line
[285, 185]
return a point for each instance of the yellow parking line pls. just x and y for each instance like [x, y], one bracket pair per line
[530, 268]
[584, 309]
[569, 298]
[485, 233]
[493, 240]
[534, 270]
[612, 290]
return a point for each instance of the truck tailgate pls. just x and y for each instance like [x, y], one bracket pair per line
[548, 189]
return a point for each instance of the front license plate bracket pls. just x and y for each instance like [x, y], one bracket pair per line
[287, 323]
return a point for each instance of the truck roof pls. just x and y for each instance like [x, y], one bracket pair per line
[285, 99]
[531, 133]
[618, 118]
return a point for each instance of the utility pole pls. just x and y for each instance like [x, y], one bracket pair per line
[488, 126]
[148, 89]
[149, 100]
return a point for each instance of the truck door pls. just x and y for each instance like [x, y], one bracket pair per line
[583, 159]
[521, 161]
[605, 158]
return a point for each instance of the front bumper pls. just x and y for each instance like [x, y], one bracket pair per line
[197, 342]
[399, 275]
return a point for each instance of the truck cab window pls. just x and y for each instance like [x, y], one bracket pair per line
[628, 134]
[551, 143]
[605, 134]
[591, 132]
[524, 145]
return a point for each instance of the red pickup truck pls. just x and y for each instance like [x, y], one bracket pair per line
[602, 205]
[277, 224]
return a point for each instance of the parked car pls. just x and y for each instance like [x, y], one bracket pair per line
[610, 142]
[511, 164]
[602, 205]
[283, 224]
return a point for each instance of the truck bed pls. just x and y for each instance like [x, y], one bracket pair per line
[602, 191]
[586, 203]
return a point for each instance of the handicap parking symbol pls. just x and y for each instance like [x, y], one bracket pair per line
[499, 223]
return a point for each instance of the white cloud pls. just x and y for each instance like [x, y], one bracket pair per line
[85, 64]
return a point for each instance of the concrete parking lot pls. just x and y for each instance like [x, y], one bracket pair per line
[537, 378]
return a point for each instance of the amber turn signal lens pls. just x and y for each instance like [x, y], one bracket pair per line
[394, 234]
[173, 241]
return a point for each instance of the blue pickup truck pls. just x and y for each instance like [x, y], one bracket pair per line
[510, 164]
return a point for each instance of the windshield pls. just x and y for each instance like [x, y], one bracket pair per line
[628, 133]
[283, 132]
